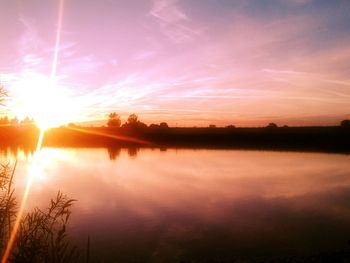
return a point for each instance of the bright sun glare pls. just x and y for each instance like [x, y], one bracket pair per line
[42, 99]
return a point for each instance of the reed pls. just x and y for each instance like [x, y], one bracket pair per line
[42, 235]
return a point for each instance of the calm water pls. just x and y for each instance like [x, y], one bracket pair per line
[164, 206]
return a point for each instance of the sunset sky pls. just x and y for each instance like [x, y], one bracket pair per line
[187, 62]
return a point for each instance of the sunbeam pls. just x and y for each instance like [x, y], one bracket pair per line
[31, 175]
[43, 126]
[116, 137]
[58, 40]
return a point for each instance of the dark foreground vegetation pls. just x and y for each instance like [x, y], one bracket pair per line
[320, 139]
[42, 234]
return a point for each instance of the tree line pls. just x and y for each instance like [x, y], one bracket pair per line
[15, 121]
[133, 122]
[114, 120]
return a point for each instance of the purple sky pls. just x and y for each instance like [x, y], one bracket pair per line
[187, 62]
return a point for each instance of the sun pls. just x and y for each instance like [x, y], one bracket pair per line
[37, 96]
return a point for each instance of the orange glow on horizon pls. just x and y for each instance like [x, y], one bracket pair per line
[45, 102]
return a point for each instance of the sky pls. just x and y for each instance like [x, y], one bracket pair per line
[186, 62]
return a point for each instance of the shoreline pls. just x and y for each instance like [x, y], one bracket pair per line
[333, 139]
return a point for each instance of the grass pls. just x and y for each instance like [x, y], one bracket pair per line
[42, 234]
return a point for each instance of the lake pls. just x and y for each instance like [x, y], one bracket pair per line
[188, 205]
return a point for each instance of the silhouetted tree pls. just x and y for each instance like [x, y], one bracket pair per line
[114, 120]
[163, 125]
[132, 118]
[345, 123]
[212, 126]
[230, 126]
[272, 125]
[133, 124]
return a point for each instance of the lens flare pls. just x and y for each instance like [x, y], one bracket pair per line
[32, 170]
[41, 98]
[111, 136]
[36, 157]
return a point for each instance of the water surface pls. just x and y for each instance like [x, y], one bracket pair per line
[152, 205]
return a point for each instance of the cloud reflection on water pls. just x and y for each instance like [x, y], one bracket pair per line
[201, 203]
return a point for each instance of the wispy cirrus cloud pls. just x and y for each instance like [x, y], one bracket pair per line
[299, 2]
[239, 60]
[172, 21]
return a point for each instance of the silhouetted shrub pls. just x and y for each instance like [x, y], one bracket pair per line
[133, 118]
[114, 120]
[271, 125]
[163, 125]
[133, 124]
